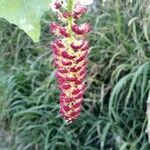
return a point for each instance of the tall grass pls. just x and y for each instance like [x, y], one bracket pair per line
[113, 115]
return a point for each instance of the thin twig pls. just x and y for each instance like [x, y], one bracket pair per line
[148, 116]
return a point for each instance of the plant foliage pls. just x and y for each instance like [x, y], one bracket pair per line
[26, 14]
[113, 115]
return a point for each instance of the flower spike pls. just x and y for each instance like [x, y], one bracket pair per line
[70, 53]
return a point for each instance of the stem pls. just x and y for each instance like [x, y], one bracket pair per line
[70, 8]
[70, 5]
[148, 116]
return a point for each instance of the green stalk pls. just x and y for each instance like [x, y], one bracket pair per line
[70, 6]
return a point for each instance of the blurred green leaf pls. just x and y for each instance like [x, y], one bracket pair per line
[25, 14]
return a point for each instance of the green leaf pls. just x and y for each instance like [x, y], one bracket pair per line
[25, 14]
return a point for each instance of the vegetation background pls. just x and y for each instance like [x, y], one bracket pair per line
[113, 115]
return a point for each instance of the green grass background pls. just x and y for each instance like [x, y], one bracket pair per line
[113, 116]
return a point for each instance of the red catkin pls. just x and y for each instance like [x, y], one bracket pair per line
[70, 52]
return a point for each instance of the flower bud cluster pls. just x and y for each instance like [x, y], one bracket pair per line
[70, 52]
